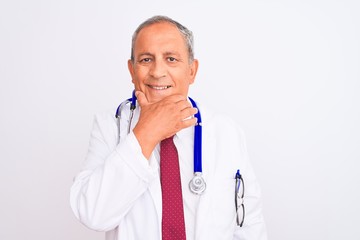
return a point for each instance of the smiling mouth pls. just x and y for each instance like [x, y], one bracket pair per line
[158, 87]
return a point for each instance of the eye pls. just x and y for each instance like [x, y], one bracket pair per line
[145, 60]
[172, 59]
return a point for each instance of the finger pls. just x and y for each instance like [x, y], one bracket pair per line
[188, 113]
[184, 124]
[189, 122]
[183, 104]
[141, 98]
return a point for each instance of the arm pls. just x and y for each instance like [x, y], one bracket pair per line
[113, 177]
[254, 226]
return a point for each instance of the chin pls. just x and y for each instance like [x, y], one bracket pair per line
[158, 96]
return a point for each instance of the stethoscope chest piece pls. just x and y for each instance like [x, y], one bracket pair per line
[197, 184]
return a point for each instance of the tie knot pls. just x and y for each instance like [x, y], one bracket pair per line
[169, 140]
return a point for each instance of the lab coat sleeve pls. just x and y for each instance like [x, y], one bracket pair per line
[113, 177]
[254, 225]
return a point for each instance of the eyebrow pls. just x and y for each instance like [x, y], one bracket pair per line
[145, 54]
[172, 53]
[168, 53]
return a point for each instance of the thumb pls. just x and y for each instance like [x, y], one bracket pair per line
[141, 98]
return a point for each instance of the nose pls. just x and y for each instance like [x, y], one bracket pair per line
[158, 69]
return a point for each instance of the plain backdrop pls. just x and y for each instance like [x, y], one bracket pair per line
[287, 71]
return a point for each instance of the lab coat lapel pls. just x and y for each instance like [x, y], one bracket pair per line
[208, 165]
[154, 187]
[155, 192]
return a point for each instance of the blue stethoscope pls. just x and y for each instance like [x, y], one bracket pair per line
[197, 184]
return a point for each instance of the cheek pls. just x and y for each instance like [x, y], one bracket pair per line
[138, 85]
[138, 76]
[183, 86]
[185, 80]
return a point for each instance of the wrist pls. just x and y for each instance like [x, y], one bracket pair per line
[146, 141]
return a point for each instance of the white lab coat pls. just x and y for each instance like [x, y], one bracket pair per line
[118, 191]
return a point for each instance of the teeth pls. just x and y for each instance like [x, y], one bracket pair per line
[159, 88]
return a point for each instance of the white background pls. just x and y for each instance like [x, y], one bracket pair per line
[287, 71]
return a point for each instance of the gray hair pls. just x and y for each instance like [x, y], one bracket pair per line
[186, 33]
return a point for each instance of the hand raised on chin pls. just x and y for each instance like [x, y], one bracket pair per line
[162, 119]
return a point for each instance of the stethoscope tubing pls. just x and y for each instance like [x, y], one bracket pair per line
[197, 185]
[197, 140]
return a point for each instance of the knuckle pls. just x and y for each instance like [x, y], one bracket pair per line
[192, 111]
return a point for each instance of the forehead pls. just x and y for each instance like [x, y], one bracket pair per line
[161, 34]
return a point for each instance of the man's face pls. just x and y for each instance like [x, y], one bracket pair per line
[161, 64]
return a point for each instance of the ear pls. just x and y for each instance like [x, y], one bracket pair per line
[131, 69]
[193, 70]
